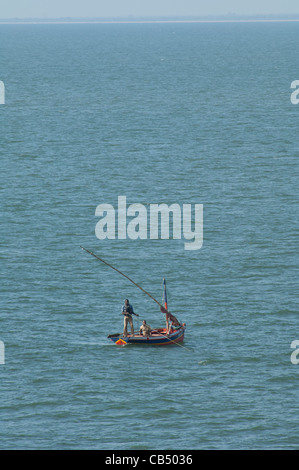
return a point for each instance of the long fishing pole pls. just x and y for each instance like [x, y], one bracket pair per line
[127, 277]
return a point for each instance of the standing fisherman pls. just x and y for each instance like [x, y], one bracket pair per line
[128, 311]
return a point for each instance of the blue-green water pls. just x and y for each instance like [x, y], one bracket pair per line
[173, 113]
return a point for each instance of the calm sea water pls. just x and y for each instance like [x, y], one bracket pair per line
[174, 113]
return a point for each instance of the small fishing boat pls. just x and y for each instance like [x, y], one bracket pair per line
[172, 334]
[157, 337]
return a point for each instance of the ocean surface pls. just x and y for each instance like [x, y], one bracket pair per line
[160, 113]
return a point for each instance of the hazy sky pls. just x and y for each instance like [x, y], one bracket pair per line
[108, 8]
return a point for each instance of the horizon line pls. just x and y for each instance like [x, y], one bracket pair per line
[158, 20]
[231, 16]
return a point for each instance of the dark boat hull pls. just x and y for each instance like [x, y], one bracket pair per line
[158, 337]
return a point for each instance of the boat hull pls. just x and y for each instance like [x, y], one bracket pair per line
[159, 337]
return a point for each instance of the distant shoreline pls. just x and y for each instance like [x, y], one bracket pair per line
[157, 20]
[146, 22]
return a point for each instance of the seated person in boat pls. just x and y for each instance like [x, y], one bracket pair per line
[145, 329]
[170, 327]
[128, 311]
